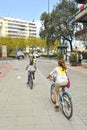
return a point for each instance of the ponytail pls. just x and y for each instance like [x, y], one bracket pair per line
[62, 64]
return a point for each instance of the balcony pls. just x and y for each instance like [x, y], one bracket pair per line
[81, 1]
[81, 15]
[81, 35]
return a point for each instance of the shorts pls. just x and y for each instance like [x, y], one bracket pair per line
[58, 85]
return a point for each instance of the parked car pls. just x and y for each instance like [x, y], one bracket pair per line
[20, 55]
[36, 55]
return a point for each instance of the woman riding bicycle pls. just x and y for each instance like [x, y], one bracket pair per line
[60, 78]
[31, 69]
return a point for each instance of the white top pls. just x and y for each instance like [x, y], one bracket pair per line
[59, 76]
[34, 60]
[31, 68]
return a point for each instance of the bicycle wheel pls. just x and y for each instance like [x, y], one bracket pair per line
[52, 93]
[67, 106]
[31, 82]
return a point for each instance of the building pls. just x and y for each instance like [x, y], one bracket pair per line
[17, 28]
[81, 17]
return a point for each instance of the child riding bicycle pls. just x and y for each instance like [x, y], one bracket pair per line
[31, 69]
[60, 78]
[34, 62]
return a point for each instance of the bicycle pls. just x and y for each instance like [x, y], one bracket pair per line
[30, 81]
[65, 100]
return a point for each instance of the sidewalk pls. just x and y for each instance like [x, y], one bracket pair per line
[25, 109]
[82, 68]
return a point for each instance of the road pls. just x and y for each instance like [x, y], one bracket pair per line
[22, 108]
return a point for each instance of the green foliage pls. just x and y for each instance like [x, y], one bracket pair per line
[60, 55]
[50, 56]
[57, 23]
[20, 44]
[12, 55]
[73, 58]
[84, 54]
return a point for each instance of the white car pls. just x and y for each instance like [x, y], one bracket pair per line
[20, 55]
[36, 55]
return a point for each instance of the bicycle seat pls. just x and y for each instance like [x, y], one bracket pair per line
[63, 86]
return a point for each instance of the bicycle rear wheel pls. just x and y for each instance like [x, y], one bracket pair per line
[67, 106]
[31, 82]
[52, 93]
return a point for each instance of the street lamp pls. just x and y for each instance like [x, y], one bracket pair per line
[48, 6]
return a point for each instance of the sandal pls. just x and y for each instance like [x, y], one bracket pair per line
[56, 106]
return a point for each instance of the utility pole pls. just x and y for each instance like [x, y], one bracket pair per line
[48, 6]
[47, 42]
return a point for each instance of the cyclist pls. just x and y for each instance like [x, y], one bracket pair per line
[31, 69]
[34, 61]
[60, 78]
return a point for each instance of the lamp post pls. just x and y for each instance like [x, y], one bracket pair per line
[47, 41]
[48, 6]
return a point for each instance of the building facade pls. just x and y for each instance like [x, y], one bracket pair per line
[15, 27]
[81, 17]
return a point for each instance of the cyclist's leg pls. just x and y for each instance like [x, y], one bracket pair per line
[35, 67]
[56, 95]
[56, 99]
[33, 74]
[57, 87]
[28, 76]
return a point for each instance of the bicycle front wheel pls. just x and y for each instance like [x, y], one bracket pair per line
[31, 82]
[67, 106]
[52, 93]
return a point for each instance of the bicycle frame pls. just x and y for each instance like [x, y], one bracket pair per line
[64, 100]
[66, 93]
[63, 92]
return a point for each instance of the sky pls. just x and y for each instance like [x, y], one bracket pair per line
[26, 9]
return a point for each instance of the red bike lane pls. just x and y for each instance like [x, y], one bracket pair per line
[4, 69]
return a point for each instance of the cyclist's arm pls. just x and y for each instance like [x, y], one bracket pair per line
[27, 67]
[49, 76]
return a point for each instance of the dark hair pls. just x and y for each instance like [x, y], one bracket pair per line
[31, 61]
[61, 63]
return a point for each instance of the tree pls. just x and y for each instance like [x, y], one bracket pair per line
[57, 25]
[20, 43]
[46, 32]
[61, 16]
